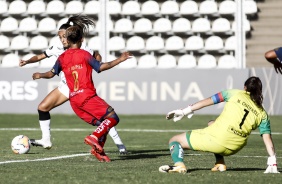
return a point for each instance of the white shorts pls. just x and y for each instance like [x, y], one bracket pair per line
[63, 88]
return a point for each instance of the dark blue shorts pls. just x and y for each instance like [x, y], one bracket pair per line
[278, 52]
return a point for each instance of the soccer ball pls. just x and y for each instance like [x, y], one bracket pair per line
[20, 144]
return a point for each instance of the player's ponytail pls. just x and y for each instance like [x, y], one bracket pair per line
[254, 86]
[82, 21]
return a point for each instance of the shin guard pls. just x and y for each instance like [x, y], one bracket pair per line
[176, 152]
[104, 127]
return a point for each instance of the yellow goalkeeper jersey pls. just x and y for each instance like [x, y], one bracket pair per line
[239, 117]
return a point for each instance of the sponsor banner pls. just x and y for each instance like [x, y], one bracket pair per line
[130, 91]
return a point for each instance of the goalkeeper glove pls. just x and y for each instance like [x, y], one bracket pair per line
[179, 114]
[272, 165]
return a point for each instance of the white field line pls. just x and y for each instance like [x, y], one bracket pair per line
[120, 130]
[86, 154]
[45, 159]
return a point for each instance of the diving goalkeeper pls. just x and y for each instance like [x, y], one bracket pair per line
[228, 134]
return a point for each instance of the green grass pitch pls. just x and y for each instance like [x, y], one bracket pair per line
[146, 138]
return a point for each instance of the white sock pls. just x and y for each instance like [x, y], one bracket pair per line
[113, 133]
[45, 129]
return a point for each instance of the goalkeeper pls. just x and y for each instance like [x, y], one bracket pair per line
[228, 134]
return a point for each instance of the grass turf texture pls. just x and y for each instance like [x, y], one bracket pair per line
[147, 151]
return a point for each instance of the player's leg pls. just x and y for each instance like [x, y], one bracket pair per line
[102, 157]
[176, 145]
[102, 111]
[101, 140]
[117, 140]
[202, 140]
[114, 134]
[52, 100]
[103, 128]
[219, 163]
[98, 138]
[97, 112]
[219, 160]
[96, 143]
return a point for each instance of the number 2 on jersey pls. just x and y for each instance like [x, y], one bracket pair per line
[244, 118]
[76, 82]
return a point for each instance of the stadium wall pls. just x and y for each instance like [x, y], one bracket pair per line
[141, 91]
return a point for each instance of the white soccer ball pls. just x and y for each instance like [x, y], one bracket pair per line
[20, 144]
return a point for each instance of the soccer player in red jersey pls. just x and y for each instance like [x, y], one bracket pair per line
[61, 94]
[78, 64]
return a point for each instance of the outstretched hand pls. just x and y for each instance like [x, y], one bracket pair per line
[125, 55]
[36, 76]
[22, 63]
[178, 114]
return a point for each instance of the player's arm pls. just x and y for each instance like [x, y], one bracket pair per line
[46, 75]
[50, 74]
[178, 114]
[108, 65]
[97, 56]
[189, 111]
[267, 139]
[271, 57]
[99, 66]
[219, 97]
[265, 131]
[33, 59]
[271, 161]
[201, 104]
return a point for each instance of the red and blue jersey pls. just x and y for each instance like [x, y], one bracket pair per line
[77, 65]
